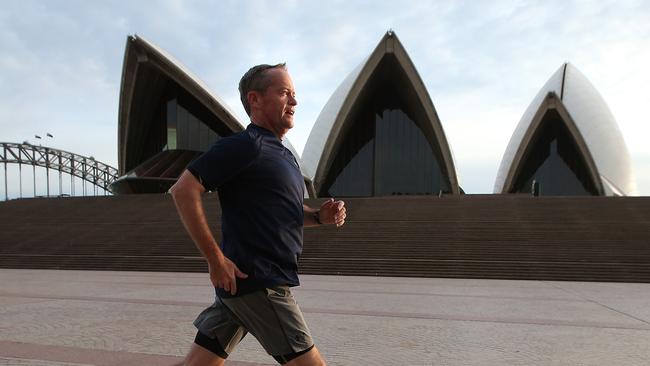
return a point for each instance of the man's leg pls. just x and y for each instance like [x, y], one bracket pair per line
[311, 358]
[199, 356]
[224, 335]
[274, 318]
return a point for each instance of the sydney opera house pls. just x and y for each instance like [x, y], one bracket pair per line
[167, 117]
[568, 142]
[564, 205]
[378, 135]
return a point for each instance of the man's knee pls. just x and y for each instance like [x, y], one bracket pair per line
[311, 358]
[199, 356]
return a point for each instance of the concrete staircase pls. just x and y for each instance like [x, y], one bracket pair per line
[470, 236]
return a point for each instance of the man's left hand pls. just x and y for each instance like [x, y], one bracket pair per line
[332, 212]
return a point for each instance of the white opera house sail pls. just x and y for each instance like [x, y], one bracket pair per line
[379, 133]
[567, 144]
[167, 118]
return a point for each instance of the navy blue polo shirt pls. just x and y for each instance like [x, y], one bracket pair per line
[261, 194]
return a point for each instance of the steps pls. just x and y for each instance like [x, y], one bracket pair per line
[470, 236]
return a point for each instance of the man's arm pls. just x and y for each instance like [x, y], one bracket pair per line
[187, 197]
[330, 212]
[309, 218]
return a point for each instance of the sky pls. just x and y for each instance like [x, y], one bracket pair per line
[481, 61]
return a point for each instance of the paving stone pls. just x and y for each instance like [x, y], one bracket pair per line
[355, 320]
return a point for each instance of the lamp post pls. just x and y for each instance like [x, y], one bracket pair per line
[60, 172]
[47, 166]
[6, 185]
[33, 165]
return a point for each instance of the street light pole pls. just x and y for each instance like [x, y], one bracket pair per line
[60, 162]
[6, 185]
[20, 172]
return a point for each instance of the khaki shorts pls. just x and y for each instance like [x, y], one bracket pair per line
[271, 315]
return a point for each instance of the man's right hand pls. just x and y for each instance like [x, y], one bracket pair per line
[187, 197]
[224, 274]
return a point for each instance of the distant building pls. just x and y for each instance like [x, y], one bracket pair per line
[378, 135]
[567, 143]
[167, 117]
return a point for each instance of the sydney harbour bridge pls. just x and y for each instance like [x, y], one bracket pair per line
[53, 172]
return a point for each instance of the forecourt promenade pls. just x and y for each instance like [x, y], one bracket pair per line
[72, 318]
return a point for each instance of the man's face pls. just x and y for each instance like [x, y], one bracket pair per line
[277, 103]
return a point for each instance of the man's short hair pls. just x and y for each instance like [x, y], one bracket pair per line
[255, 79]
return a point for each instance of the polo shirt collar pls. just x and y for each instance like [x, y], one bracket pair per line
[261, 130]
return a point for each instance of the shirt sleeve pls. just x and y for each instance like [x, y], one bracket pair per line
[224, 160]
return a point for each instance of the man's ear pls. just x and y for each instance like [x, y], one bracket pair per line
[253, 97]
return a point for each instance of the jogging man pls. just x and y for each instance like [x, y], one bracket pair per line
[261, 194]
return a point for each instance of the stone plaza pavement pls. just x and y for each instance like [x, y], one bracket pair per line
[77, 318]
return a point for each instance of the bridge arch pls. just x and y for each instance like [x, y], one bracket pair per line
[90, 170]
